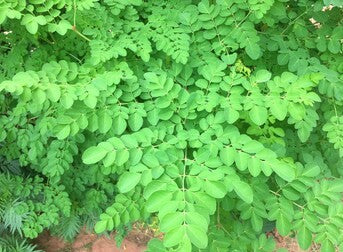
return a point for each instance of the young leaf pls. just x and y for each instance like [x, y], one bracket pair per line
[215, 189]
[243, 190]
[304, 237]
[285, 171]
[258, 115]
[157, 200]
[253, 50]
[104, 121]
[135, 121]
[197, 236]
[128, 181]
[263, 76]
[100, 226]
[93, 155]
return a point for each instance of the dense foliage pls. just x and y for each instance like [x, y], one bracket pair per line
[220, 118]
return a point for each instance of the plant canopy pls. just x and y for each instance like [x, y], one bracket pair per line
[218, 119]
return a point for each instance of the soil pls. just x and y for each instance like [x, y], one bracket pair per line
[135, 242]
[88, 242]
[290, 243]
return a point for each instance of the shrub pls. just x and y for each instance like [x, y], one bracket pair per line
[221, 118]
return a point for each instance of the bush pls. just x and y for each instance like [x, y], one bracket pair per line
[221, 118]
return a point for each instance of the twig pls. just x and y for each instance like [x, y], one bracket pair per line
[244, 18]
[80, 61]
[293, 21]
[5, 47]
[296, 204]
[74, 24]
[74, 6]
[80, 34]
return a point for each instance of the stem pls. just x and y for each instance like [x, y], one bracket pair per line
[296, 204]
[244, 18]
[335, 109]
[74, 24]
[218, 215]
[5, 47]
[184, 176]
[81, 35]
[293, 21]
[80, 61]
[74, 7]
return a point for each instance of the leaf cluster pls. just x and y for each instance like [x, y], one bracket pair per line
[222, 119]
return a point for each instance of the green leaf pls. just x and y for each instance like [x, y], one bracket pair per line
[157, 200]
[262, 76]
[279, 109]
[63, 26]
[304, 237]
[256, 222]
[62, 131]
[30, 23]
[336, 185]
[104, 121]
[40, 20]
[215, 189]
[258, 115]
[122, 157]
[174, 236]
[129, 141]
[171, 221]
[227, 155]
[334, 46]
[135, 121]
[297, 111]
[90, 101]
[93, 155]
[150, 160]
[100, 226]
[3, 14]
[155, 245]
[241, 160]
[284, 170]
[205, 201]
[283, 225]
[243, 190]
[327, 246]
[110, 158]
[127, 181]
[229, 59]
[253, 50]
[39, 96]
[254, 166]
[53, 93]
[197, 219]
[119, 125]
[67, 101]
[282, 59]
[32, 27]
[311, 170]
[197, 236]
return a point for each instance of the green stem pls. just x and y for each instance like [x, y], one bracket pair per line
[293, 21]
[81, 35]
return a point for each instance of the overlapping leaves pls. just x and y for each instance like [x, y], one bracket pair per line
[217, 117]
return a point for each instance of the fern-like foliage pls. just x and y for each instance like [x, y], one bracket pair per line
[27, 206]
[68, 227]
[10, 243]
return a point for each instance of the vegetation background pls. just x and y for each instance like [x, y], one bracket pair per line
[214, 121]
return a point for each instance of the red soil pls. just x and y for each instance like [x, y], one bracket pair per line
[135, 242]
[87, 242]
